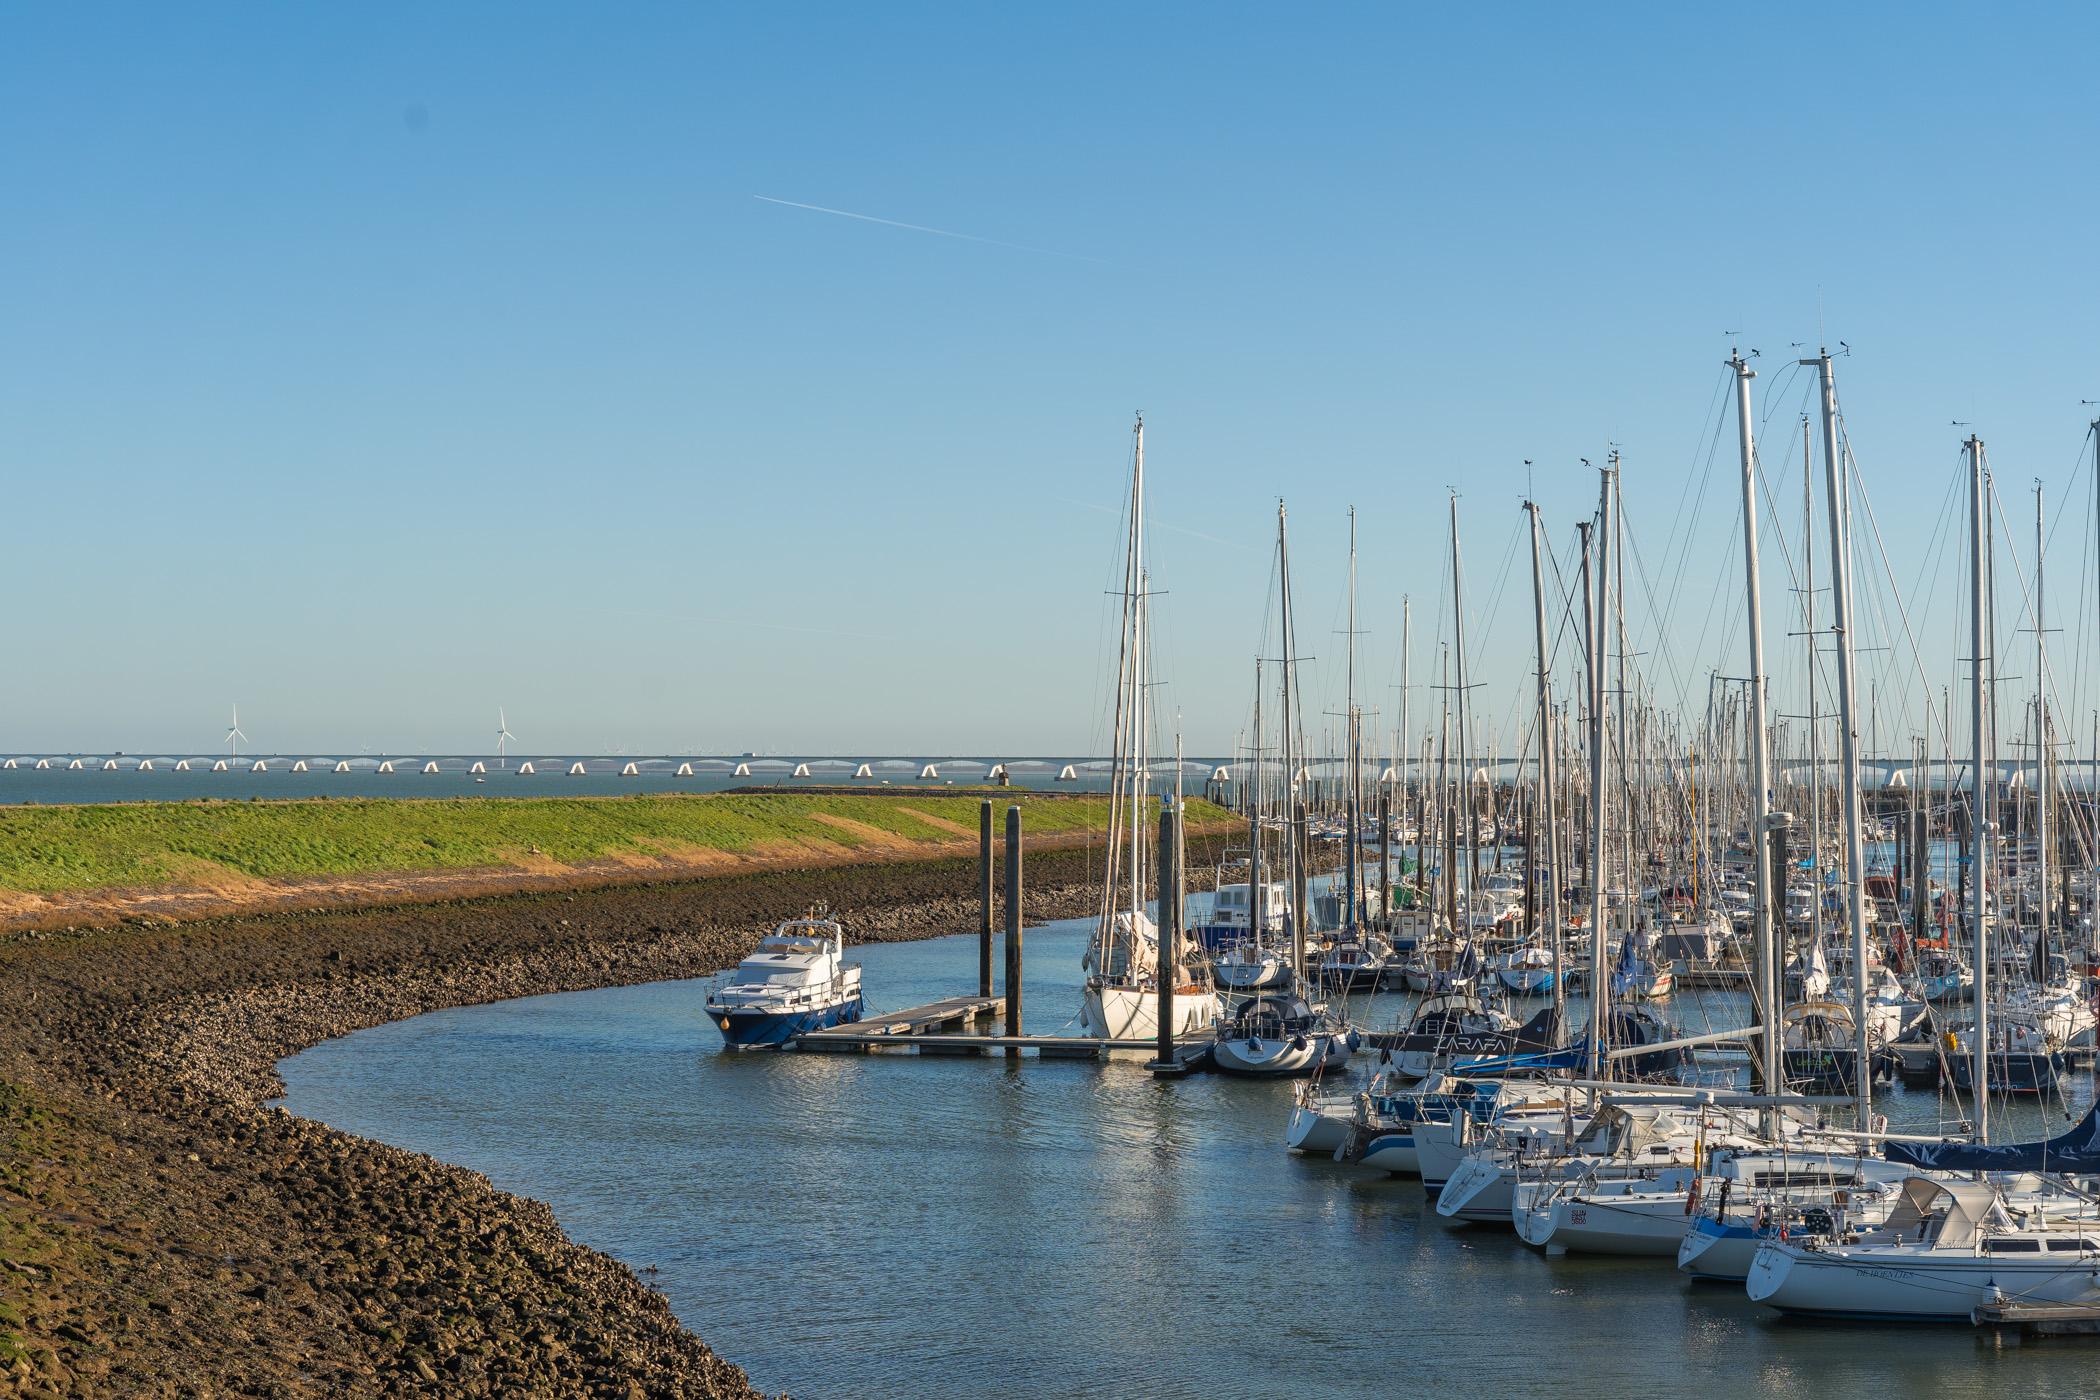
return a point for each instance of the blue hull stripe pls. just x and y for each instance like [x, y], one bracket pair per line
[754, 1029]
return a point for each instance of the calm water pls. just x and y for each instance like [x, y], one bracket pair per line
[849, 1226]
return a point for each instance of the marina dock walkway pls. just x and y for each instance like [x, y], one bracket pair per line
[939, 1028]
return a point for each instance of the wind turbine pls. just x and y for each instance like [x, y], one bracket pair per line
[234, 734]
[503, 736]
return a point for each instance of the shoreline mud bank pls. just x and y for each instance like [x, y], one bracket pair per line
[164, 1232]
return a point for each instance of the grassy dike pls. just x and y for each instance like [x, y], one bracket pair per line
[104, 864]
[50, 849]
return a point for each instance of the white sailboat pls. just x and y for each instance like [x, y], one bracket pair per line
[1945, 1250]
[1610, 1204]
[1123, 961]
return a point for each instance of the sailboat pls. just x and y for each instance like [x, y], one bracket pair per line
[1526, 970]
[1123, 960]
[1638, 975]
[1278, 1035]
[1247, 934]
[1277, 1032]
[1809, 978]
[1946, 1250]
[1967, 1225]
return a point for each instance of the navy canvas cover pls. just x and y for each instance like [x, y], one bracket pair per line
[2077, 1151]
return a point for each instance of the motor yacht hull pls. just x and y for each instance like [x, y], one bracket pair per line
[753, 1028]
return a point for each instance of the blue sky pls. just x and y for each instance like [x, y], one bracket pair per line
[375, 366]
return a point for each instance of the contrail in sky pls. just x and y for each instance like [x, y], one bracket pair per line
[1156, 524]
[921, 228]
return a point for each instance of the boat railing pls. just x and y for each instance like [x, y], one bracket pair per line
[787, 994]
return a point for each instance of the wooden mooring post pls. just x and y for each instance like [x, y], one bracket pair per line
[1301, 905]
[1169, 933]
[1013, 925]
[1385, 857]
[984, 890]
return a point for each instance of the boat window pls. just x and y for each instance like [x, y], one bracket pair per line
[2072, 1246]
[2012, 1246]
[1807, 1178]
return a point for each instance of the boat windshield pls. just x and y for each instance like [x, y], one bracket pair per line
[783, 944]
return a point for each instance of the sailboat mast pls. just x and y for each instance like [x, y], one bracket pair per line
[1593, 659]
[1546, 805]
[1765, 937]
[1119, 789]
[1815, 723]
[1990, 639]
[2041, 736]
[1978, 835]
[1401, 744]
[1295, 855]
[1447, 822]
[1465, 762]
[1356, 805]
[1848, 734]
[1138, 813]
[1257, 906]
[1622, 711]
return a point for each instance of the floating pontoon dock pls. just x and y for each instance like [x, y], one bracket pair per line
[945, 1028]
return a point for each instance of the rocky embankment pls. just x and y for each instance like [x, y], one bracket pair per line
[163, 1232]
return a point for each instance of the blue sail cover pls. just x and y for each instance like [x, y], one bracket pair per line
[2077, 1151]
[1567, 1057]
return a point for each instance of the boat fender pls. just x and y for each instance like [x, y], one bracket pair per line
[1355, 1042]
[1385, 1057]
[1298, 1043]
[1253, 1045]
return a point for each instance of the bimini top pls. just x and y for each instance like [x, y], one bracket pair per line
[1286, 1004]
[1449, 1004]
[2077, 1151]
[1962, 1209]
